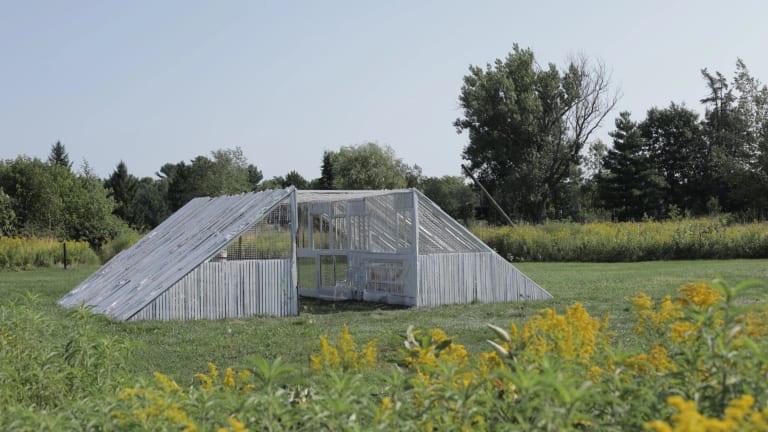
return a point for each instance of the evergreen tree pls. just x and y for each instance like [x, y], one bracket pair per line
[254, 177]
[627, 183]
[325, 182]
[59, 156]
[122, 187]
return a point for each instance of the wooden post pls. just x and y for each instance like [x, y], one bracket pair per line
[488, 195]
[64, 245]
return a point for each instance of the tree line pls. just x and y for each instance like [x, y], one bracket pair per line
[674, 162]
[49, 198]
[531, 143]
[531, 132]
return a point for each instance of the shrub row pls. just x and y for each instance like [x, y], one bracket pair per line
[23, 253]
[701, 366]
[628, 241]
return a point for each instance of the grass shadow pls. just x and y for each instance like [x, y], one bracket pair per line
[311, 305]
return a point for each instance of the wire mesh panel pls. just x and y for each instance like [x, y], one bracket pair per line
[307, 273]
[334, 271]
[438, 233]
[404, 222]
[270, 238]
[382, 224]
[385, 276]
[303, 231]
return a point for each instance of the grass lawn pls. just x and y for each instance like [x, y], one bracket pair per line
[181, 349]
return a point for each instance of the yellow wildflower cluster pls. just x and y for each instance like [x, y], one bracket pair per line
[231, 381]
[668, 313]
[657, 361]
[575, 335]
[155, 407]
[653, 317]
[345, 354]
[740, 415]
[5, 337]
[440, 346]
[489, 362]
[700, 295]
[756, 324]
[164, 405]
[234, 426]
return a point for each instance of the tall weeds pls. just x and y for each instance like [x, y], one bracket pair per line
[629, 241]
[23, 253]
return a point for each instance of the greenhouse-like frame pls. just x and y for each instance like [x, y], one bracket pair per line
[256, 253]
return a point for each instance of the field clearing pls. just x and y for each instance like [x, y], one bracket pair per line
[180, 349]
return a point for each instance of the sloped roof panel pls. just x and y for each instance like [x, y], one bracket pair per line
[305, 196]
[440, 233]
[192, 235]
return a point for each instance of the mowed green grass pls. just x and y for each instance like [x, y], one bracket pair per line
[180, 349]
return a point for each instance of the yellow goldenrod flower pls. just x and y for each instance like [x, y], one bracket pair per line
[682, 331]
[229, 378]
[700, 295]
[168, 384]
[213, 371]
[206, 381]
[345, 354]
[236, 425]
[642, 301]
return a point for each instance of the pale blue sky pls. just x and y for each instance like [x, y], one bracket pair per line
[151, 82]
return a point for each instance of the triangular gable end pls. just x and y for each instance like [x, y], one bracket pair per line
[191, 236]
[457, 267]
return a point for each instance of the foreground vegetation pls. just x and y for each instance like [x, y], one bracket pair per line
[566, 367]
[686, 239]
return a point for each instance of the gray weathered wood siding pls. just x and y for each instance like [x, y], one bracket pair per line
[227, 289]
[457, 278]
[194, 234]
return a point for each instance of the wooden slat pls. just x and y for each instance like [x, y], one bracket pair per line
[460, 278]
[228, 289]
[192, 235]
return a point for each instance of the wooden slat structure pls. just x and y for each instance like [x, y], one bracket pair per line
[173, 273]
[253, 254]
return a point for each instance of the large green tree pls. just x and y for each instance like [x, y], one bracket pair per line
[89, 210]
[527, 126]
[150, 206]
[293, 178]
[227, 172]
[47, 199]
[676, 147]
[367, 166]
[452, 195]
[736, 130]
